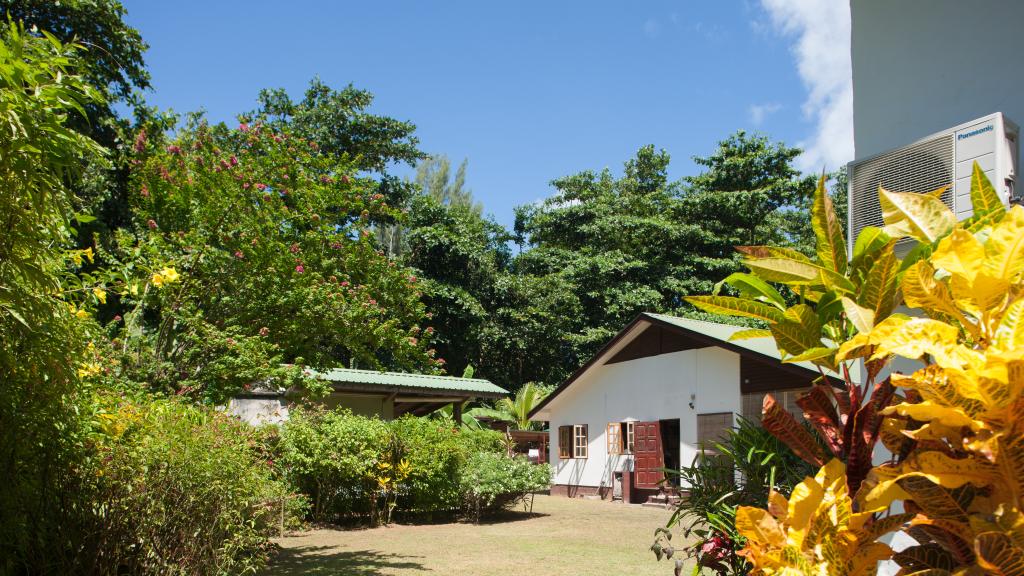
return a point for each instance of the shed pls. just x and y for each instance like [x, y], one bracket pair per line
[370, 393]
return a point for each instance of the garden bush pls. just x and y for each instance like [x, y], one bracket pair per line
[178, 489]
[741, 470]
[355, 467]
[492, 481]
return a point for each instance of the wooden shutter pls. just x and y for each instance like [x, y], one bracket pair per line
[565, 442]
[649, 458]
[580, 441]
[614, 437]
[629, 434]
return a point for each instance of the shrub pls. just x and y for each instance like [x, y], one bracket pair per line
[178, 489]
[741, 471]
[329, 456]
[954, 428]
[355, 467]
[493, 481]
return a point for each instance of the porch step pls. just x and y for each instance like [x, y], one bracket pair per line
[667, 501]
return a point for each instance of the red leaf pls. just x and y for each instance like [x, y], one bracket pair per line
[819, 410]
[781, 424]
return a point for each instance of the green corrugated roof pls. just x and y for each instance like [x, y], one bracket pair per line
[723, 332]
[411, 381]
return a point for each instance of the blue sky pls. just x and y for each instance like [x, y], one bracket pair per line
[527, 91]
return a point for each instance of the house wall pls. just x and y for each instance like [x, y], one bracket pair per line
[645, 389]
[258, 411]
[920, 66]
[363, 405]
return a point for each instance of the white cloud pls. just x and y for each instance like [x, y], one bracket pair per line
[821, 32]
[758, 112]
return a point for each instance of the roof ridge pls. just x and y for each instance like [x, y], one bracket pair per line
[413, 374]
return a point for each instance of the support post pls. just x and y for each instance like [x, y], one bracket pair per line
[457, 413]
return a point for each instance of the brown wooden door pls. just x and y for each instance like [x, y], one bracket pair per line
[648, 458]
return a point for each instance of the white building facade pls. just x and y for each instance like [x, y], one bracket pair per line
[661, 389]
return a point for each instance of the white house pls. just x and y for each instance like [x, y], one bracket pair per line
[652, 396]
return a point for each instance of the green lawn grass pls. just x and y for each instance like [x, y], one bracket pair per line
[563, 537]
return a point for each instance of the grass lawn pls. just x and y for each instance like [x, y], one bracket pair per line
[563, 537]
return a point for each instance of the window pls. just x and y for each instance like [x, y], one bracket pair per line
[614, 437]
[565, 442]
[579, 446]
[752, 402]
[620, 438]
[572, 441]
[712, 428]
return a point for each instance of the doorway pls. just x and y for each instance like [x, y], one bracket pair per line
[670, 448]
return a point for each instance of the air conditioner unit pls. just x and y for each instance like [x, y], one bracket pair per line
[942, 159]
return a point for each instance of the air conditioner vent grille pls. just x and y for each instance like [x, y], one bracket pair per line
[921, 167]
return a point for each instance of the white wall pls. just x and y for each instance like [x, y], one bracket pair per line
[646, 389]
[920, 66]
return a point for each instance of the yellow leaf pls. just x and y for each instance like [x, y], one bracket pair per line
[923, 217]
[960, 254]
[914, 338]
[757, 525]
[922, 290]
[803, 502]
[862, 318]
[1004, 249]
[100, 294]
[928, 411]
[1010, 332]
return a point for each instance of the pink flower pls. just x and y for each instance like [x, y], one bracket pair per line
[165, 174]
[239, 254]
[344, 283]
[412, 279]
[264, 331]
[245, 186]
[373, 302]
[234, 160]
[261, 187]
[117, 318]
[174, 149]
[294, 249]
[140, 141]
[243, 127]
[151, 223]
[429, 330]
[144, 191]
[413, 340]
[336, 245]
[300, 269]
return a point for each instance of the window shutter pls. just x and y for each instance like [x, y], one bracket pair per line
[614, 437]
[565, 442]
[630, 436]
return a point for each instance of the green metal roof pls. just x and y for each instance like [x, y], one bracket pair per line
[473, 386]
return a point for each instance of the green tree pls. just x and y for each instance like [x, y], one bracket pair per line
[617, 245]
[744, 197]
[272, 243]
[42, 337]
[516, 410]
[433, 179]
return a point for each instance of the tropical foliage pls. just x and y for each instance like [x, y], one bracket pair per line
[516, 410]
[952, 425]
[354, 467]
[740, 470]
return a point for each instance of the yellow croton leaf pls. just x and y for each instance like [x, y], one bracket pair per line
[1004, 249]
[935, 466]
[923, 217]
[928, 411]
[1009, 333]
[960, 254]
[759, 527]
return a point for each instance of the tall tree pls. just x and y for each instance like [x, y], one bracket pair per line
[748, 183]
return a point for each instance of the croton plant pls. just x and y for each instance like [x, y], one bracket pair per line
[954, 427]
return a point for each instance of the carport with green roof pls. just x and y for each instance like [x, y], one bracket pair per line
[393, 394]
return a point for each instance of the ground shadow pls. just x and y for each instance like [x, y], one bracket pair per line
[510, 516]
[317, 560]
